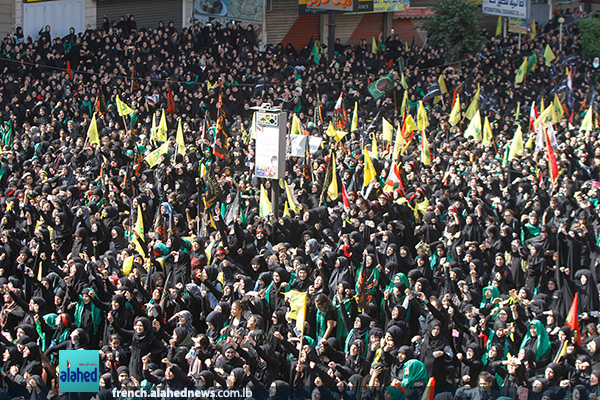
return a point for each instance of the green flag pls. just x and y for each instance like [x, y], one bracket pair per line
[381, 85]
[315, 54]
[520, 77]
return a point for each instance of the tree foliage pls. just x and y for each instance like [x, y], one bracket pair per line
[590, 32]
[454, 27]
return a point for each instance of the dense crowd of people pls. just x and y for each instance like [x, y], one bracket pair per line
[475, 269]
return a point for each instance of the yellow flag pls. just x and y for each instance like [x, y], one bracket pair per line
[291, 199]
[587, 124]
[531, 140]
[40, 273]
[295, 130]
[370, 173]
[422, 121]
[286, 210]
[516, 146]
[398, 142]
[139, 230]
[558, 108]
[122, 108]
[332, 189]
[265, 207]
[474, 106]
[499, 27]
[403, 81]
[154, 157]
[330, 130]
[161, 133]
[487, 132]
[442, 84]
[455, 114]
[339, 135]
[545, 117]
[425, 153]
[520, 77]
[518, 112]
[548, 55]
[92, 133]
[404, 106]
[533, 30]
[374, 146]
[411, 126]
[253, 127]
[153, 129]
[297, 308]
[179, 139]
[373, 46]
[474, 128]
[127, 264]
[354, 124]
[387, 130]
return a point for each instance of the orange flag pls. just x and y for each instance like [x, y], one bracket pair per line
[552, 164]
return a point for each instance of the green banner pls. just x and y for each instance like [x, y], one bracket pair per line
[381, 86]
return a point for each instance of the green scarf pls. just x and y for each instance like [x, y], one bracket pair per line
[365, 344]
[542, 346]
[414, 371]
[321, 324]
[395, 393]
[96, 313]
[495, 295]
[346, 305]
[403, 279]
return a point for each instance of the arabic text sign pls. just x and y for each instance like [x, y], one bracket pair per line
[390, 5]
[242, 10]
[329, 5]
[506, 8]
[517, 25]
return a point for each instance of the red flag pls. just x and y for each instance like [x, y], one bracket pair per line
[171, 103]
[397, 171]
[552, 165]
[403, 131]
[345, 200]
[429, 393]
[533, 115]
[69, 72]
[572, 320]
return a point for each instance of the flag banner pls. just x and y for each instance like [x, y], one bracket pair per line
[154, 157]
[233, 209]
[122, 108]
[381, 86]
[297, 307]
[92, 134]
[433, 91]
[213, 189]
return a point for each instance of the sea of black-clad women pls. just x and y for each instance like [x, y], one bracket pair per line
[466, 273]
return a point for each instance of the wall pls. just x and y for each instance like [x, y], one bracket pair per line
[6, 17]
[60, 15]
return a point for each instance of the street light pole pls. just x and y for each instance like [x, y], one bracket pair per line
[561, 21]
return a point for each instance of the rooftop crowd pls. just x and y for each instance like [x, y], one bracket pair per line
[465, 273]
